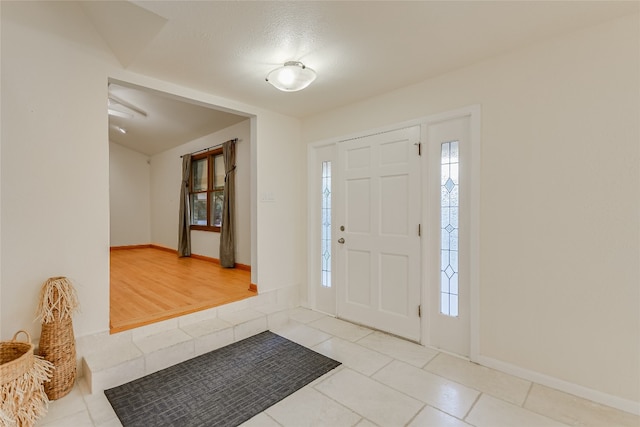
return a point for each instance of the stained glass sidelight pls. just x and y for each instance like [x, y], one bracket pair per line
[449, 212]
[325, 271]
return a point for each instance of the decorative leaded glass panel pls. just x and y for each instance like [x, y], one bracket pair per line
[449, 213]
[325, 239]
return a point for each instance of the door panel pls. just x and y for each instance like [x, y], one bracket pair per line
[394, 283]
[378, 265]
[357, 204]
[359, 278]
[394, 191]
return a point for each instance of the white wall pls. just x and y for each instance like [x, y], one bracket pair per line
[129, 196]
[1, 135]
[166, 171]
[559, 224]
[55, 167]
[281, 221]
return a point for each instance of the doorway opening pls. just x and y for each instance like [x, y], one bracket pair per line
[149, 131]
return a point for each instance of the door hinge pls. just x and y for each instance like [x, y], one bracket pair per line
[419, 230]
[419, 311]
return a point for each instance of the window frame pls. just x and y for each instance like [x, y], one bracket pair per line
[211, 190]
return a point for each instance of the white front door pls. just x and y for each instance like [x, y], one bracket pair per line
[378, 249]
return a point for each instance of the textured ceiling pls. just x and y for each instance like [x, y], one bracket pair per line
[358, 48]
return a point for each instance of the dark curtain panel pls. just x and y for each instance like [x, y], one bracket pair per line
[227, 233]
[184, 236]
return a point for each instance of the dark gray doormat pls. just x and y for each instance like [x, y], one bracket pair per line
[222, 388]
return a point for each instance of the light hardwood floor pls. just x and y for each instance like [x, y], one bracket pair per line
[149, 285]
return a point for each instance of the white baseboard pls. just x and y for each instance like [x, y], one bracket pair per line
[568, 387]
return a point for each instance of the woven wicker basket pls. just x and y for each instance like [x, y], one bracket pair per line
[57, 342]
[57, 345]
[22, 396]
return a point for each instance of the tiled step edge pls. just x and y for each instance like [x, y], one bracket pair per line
[121, 361]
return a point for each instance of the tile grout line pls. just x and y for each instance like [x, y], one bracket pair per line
[268, 416]
[416, 414]
[416, 398]
[526, 397]
[473, 405]
[393, 358]
[371, 332]
[362, 417]
[425, 404]
[472, 387]
[316, 329]
[431, 359]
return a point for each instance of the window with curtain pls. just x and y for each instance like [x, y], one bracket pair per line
[207, 190]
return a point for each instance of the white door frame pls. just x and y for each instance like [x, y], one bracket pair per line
[473, 112]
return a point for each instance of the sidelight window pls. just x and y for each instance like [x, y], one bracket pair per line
[325, 239]
[449, 214]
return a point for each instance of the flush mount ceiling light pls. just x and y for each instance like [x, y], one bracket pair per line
[291, 77]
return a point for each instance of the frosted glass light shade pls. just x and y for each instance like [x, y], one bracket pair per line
[291, 77]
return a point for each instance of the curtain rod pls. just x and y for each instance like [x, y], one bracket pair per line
[234, 140]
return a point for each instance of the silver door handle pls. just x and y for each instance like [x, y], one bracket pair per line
[341, 241]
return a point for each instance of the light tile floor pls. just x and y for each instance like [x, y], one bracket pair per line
[385, 381]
